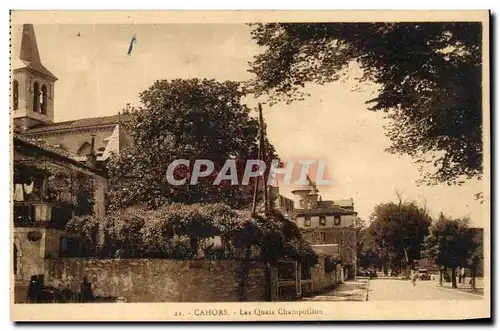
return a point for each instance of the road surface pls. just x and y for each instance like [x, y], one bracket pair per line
[402, 290]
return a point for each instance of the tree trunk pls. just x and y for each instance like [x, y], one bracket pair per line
[473, 277]
[193, 241]
[454, 277]
[244, 274]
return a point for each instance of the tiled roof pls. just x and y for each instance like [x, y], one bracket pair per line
[326, 249]
[70, 157]
[45, 147]
[76, 124]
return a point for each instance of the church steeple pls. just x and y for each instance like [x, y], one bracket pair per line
[29, 47]
[33, 86]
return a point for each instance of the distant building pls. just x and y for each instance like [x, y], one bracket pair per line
[323, 222]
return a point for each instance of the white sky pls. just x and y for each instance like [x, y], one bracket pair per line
[97, 78]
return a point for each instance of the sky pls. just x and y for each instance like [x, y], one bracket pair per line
[96, 77]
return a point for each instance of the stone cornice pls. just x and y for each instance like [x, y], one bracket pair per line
[63, 131]
[34, 71]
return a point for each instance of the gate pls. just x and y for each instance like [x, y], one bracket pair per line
[286, 281]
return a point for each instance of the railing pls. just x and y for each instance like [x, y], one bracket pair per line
[42, 214]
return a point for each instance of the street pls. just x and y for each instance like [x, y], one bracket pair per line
[391, 289]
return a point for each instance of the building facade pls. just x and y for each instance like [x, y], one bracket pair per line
[324, 222]
[57, 166]
[49, 188]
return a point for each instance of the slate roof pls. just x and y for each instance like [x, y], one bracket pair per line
[333, 210]
[325, 204]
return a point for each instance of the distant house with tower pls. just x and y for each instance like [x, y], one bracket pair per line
[327, 225]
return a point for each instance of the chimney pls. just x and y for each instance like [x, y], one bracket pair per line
[92, 156]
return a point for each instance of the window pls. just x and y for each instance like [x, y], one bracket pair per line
[36, 97]
[70, 247]
[307, 221]
[336, 220]
[84, 149]
[322, 220]
[43, 100]
[24, 214]
[15, 95]
[15, 260]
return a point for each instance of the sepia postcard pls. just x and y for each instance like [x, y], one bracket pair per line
[250, 165]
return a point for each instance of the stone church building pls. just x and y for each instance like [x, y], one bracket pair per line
[57, 170]
[33, 96]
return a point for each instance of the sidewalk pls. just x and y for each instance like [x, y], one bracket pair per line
[350, 290]
[463, 287]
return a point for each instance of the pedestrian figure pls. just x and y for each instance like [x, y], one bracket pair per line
[86, 291]
[414, 278]
[35, 286]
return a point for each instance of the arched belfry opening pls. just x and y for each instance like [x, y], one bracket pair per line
[36, 97]
[15, 94]
[43, 100]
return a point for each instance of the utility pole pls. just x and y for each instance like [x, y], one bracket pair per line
[263, 156]
[256, 187]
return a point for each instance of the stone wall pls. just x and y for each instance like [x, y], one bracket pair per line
[322, 280]
[30, 254]
[159, 280]
[344, 237]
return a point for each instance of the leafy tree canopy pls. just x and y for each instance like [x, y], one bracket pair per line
[396, 228]
[184, 119]
[450, 242]
[429, 76]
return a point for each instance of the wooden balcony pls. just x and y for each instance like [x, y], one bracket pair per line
[42, 214]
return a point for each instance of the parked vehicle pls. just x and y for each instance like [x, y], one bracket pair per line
[361, 272]
[423, 274]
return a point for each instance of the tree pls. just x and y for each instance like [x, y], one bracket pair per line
[429, 76]
[367, 256]
[396, 232]
[450, 244]
[183, 119]
[176, 230]
[360, 227]
[474, 261]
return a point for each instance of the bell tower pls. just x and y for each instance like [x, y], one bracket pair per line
[32, 86]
